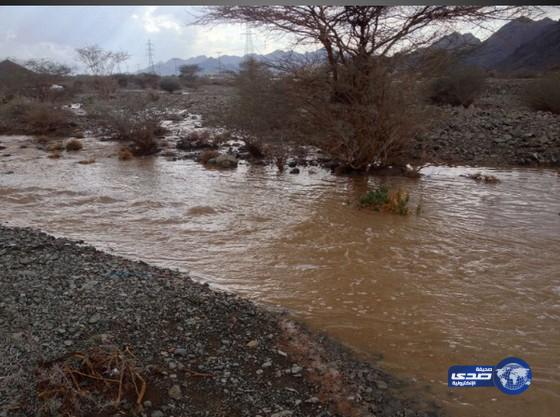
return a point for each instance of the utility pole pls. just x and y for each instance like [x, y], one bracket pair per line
[150, 53]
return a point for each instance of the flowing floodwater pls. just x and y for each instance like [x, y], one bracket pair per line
[471, 279]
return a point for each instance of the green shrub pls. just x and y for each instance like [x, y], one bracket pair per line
[382, 199]
[460, 87]
[375, 198]
[544, 95]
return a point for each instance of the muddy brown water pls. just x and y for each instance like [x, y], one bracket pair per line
[471, 279]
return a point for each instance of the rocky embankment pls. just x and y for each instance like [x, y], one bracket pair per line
[195, 351]
[497, 130]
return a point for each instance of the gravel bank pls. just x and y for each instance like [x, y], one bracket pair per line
[201, 352]
[497, 130]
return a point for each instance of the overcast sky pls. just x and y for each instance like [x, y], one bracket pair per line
[56, 31]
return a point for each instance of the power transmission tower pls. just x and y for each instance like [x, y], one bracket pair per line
[150, 53]
[249, 49]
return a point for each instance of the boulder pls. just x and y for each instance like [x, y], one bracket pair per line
[224, 161]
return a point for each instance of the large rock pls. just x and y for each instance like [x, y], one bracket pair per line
[224, 161]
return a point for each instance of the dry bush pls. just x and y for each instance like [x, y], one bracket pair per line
[459, 87]
[146, 81]
[88, 381]
[368, 117]
[261, 111]
[43, 118]
[144, 139]
[74, 145]
[369, 120]
[32, 117]
[255, 147]
[279, 155]
[208, 154]
[170, 84]
[544, 95]
[125, 154]
[135, 123]
[397, 202]
[106, 86]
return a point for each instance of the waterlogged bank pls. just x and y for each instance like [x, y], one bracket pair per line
[472, 279]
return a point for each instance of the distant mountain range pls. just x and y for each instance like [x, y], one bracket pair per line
[211, 65]
[522, 44]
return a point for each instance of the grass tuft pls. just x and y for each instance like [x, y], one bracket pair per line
[383, 199]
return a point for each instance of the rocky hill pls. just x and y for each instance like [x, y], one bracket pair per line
[499, 50]
[11, 72]
[542, 52]
[456, 41]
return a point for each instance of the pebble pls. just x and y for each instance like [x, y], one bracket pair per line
[381, 384]
[94, 319]
[284, 413]
[175, 392]
[181, 352]
[296, 369]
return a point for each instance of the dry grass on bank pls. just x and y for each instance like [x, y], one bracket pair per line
[91, 379]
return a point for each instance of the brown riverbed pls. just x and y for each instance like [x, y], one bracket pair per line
[473, 278]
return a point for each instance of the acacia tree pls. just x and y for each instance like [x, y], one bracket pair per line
[354, 33]
[101, 64]
[99, 61]
[360, 43]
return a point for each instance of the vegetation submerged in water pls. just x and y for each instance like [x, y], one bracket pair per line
[382, 199]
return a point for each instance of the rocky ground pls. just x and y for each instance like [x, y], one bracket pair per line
[497, 130]
[200, 352]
